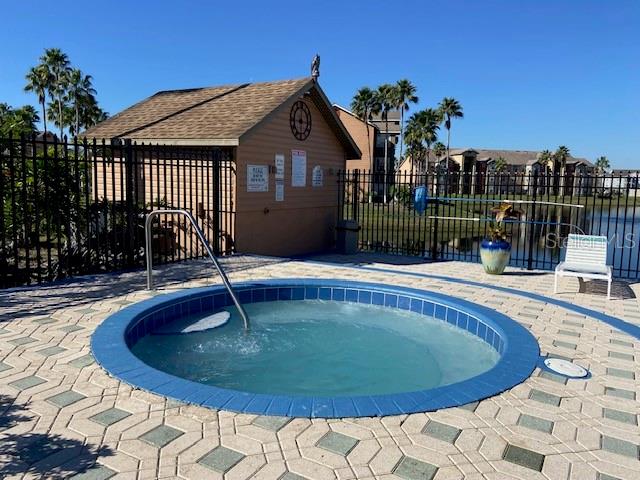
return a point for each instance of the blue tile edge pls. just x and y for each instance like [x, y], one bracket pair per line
[519, 351]
[617, 323]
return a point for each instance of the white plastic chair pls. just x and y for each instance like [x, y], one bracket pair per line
[586, 257]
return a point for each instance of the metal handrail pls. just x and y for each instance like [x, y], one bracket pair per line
[225, 280]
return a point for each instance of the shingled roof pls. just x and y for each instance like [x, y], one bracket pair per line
[521, 157]
[512, 157]
[214, 115]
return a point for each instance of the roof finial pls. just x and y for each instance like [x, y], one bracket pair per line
[315, 67]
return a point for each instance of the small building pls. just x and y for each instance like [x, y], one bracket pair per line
[479, 170]
[41, 138]
[622, 182]
[286, 144]
[389, 128]
[487, 171]
[371, 137]
[520, 166]
[46, 137]
[364, 134]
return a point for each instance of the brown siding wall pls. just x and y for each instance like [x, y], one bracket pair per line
[305, 221]
[358, 131]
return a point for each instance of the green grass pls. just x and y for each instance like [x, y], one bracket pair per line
[403, 227]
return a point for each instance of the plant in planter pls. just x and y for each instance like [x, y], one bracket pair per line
[495, 250]
[163, 230]
[163, 238]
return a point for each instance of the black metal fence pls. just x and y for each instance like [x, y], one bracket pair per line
[458, 214]
[78, 207]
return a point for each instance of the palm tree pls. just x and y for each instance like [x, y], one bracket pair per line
[415, 150]
[560, 160]
[406, 94]
[91, 114]
[5, 110]
[449, 108]
[80, 92]
[602, 164]
[58, 66]
[386, 97]
[544, 158]
[422, 130]
[500, 165]
[18, 121]
[364, 105]
[38, 80]
[430, 119]
[439, 149]
[27, 118]
[413, 138]
[561, 155]
[6, 118]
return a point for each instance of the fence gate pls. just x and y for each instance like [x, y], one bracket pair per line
[72, 208]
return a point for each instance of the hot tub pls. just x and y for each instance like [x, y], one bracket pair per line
[318, 348]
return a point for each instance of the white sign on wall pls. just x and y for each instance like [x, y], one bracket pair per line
[298, 168]
[279, 166]
[279, 191]
[317, 176]
[257, 178]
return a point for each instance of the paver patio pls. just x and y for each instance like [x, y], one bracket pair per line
[62, 415]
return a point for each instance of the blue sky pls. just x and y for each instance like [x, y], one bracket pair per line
[529, 74]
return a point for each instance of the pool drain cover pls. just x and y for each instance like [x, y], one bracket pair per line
[566, 368]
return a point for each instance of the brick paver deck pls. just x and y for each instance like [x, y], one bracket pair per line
[61, 415]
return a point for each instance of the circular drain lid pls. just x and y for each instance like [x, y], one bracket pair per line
[566, 368]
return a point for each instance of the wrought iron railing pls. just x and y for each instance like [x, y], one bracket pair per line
[78, 207]
[458, 214]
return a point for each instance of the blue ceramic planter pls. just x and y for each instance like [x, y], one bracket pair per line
[495, 255]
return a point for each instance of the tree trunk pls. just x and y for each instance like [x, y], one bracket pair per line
[59, 86]
[448, 141]
[44, 116]
[426, 169]
[446, 171]
[60, 117]
[77, 129]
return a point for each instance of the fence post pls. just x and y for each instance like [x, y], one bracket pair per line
[129, 196]
[217, 163]
[355, 193]
[532, 225]
[340, 176]
[434, 243]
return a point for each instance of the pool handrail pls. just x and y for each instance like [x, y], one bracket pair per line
[207, 247]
